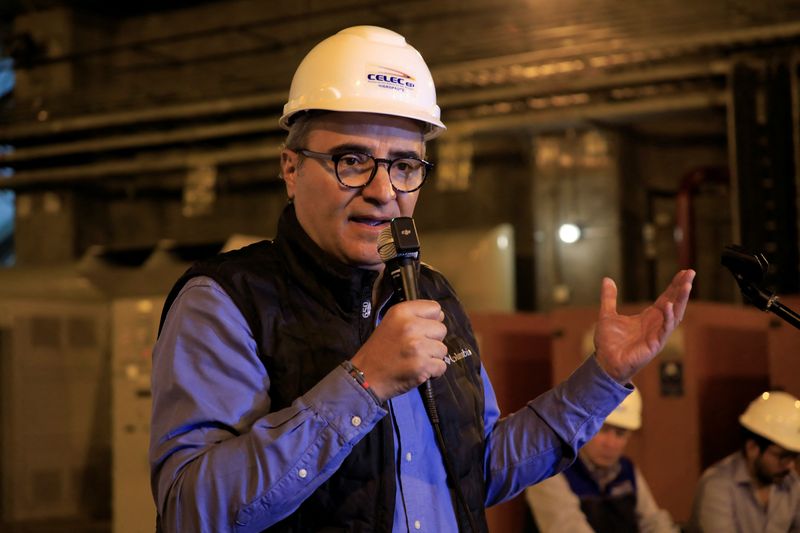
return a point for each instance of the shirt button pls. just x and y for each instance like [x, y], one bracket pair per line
[303, 473]
[408, 456]
[356, 421]
[417, 524]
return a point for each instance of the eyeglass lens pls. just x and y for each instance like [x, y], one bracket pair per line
[355, 170]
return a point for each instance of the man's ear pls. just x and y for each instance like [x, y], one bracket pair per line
[751, 449]
[289, 162]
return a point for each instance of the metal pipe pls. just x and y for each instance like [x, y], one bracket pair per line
[139, 140]
[586, 84]
[141, 165]
[577, 115]
[140, 116]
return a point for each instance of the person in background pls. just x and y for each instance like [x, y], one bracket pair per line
[603, 491]
[756, 488]
[285, 374]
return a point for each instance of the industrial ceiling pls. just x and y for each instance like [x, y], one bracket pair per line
[216, 73]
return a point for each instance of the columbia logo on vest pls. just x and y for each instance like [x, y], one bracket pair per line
[457, 356]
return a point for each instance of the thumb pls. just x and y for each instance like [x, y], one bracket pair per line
[608, 298]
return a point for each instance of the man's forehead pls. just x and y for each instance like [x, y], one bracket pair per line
[367, 124]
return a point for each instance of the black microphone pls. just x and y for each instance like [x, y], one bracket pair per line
[398, 247]
[749, 269]
[744, 264]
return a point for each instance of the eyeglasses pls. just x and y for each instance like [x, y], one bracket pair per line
[356, 170]
[781, 454]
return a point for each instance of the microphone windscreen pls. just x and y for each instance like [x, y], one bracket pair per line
[386, 247]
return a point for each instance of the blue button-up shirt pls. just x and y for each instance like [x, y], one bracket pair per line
[221, 461]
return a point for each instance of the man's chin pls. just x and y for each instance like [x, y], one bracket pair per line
[774, 479]
[366, 260]
[372, 266]
[604, 463]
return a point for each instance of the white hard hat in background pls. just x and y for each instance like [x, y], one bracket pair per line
[775, 416]
[365, 69]
[628, 414]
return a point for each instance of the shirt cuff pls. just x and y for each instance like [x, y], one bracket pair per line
[344, 404]
[578, 406]
[591, 388]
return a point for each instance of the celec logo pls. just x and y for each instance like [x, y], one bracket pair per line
[391, 79]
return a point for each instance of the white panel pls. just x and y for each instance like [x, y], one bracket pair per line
[56, 433]
[479, 263]
[135, 324]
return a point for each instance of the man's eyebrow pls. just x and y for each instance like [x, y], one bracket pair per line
[349, 147]
[405, 153]
[354, 147]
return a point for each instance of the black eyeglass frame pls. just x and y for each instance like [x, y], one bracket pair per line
[335, 158]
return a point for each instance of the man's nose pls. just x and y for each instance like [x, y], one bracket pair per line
[380, 188]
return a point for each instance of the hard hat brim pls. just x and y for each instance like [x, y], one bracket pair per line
[792, 445]
[432, 127]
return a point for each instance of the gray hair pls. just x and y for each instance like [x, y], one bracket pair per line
[300, 128]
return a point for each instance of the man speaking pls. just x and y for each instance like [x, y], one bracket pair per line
[285, 375]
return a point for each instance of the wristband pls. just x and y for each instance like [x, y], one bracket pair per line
[361, 379]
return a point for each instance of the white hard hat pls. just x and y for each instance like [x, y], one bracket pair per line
[775, 416]
[628, 414]
[365, 69]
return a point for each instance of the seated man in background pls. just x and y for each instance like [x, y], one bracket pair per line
[756, 488]
[602, 491]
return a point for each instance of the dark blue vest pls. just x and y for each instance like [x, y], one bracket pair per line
[612, 510]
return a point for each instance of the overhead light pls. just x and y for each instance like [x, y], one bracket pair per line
[502, 242]
[569, 233]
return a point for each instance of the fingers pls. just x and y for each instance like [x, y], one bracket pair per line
[439, 367]
[677, 293]
[684, 290]
[436, 366]
[420, 318]
[429, 309]
[428, 345]
[679, 283]
[405, 349]
[670, 320]
[416, 329]
[425, 350]
[424, 358]
[608, 298]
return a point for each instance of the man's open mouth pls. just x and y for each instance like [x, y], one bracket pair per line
[370, 221]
